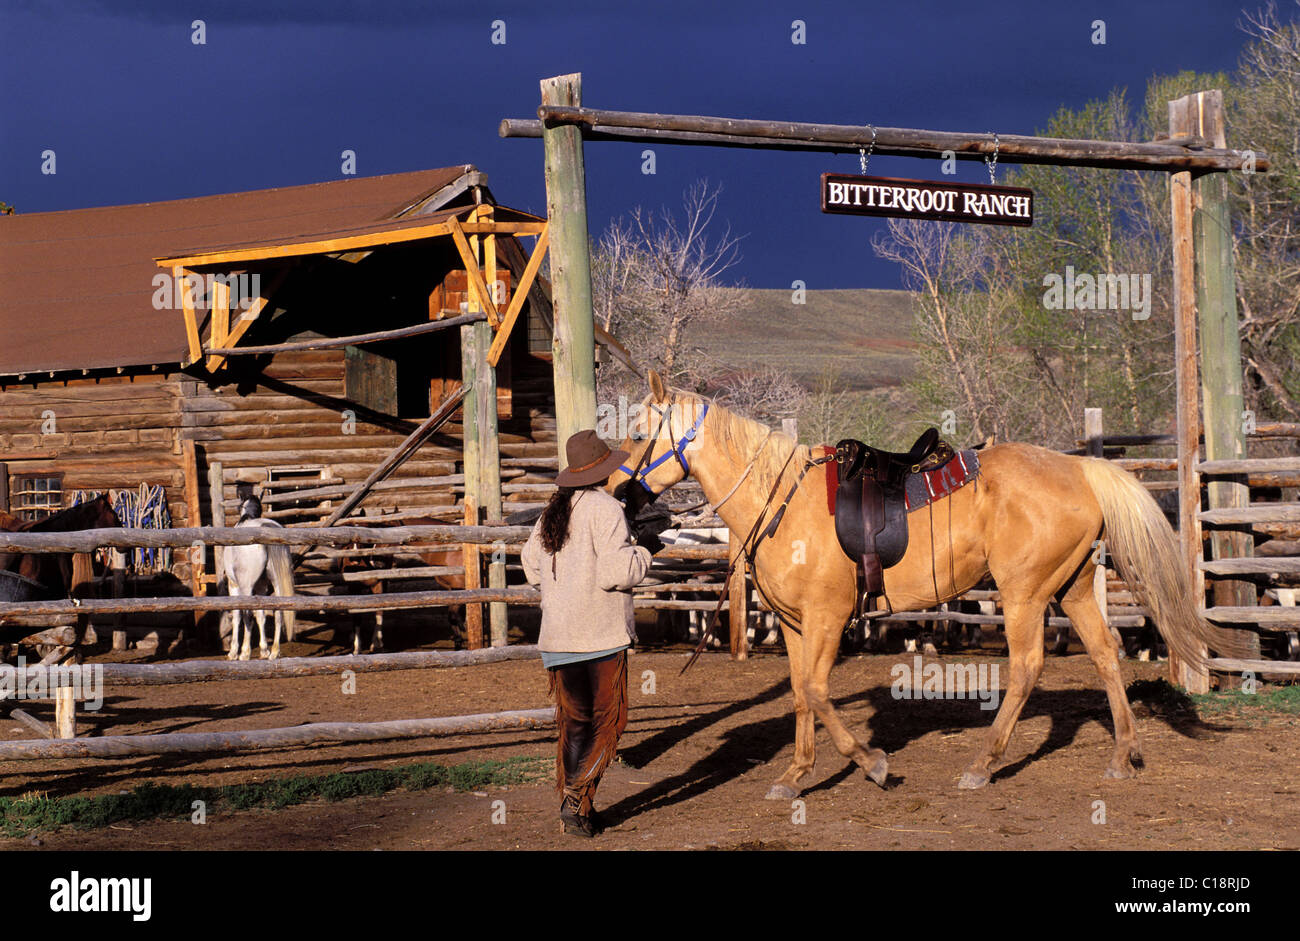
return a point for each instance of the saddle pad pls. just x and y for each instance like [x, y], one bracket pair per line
[921, 489]
[927, 486]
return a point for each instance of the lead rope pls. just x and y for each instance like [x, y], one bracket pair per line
[740, 554]
[748, 553]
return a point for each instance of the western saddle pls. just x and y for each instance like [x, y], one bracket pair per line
[870, 503]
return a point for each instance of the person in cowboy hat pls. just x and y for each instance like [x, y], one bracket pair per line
[582, 555]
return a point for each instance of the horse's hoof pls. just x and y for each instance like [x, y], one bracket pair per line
[879, 772]
[781, 792]
[1119, 773]
[973, 780]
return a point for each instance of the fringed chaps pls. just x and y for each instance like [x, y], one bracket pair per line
[590, 714]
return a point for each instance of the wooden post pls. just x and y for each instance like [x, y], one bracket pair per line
[738, 599]
[489, 475]
[198, 563]
[65, 712]
[1092, 432]
[573, 344]
[1222, 399]
[470, 436]
[216, 491]
[4, 487]
[1181, 119]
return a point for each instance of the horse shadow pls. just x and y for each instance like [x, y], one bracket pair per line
[893, 723]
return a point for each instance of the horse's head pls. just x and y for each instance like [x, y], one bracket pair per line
[105, 516]
[660, 440]
[250, 508]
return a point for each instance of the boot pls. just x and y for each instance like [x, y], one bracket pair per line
[575, 821]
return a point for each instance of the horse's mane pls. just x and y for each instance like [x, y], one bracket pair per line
[742, 437]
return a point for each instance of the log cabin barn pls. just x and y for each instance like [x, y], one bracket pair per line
[283, 340]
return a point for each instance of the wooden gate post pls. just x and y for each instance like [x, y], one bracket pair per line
[573, 343]
[1189, 419]
[1221, 373]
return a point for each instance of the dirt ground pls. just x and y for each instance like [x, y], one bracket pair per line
[697, 758]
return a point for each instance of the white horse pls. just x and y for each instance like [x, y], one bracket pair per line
[247, 569]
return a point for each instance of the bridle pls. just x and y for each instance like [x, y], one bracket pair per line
[678, 450]
[763, 528]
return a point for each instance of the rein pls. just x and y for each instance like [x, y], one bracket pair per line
[749, 550]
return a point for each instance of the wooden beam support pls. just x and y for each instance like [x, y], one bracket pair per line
[333, 343]
[519, 297]
[472, 272]
[219, 331]
[181, 282]
[247, 318]
[1177, 153]
[406, 233]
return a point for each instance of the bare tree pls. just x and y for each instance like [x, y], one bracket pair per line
[766, 394]
[656, 274]
[1265, 115]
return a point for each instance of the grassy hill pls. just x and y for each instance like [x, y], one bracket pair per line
[865, 336]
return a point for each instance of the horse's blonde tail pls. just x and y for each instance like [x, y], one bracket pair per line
[279, 566]
[1146, 550]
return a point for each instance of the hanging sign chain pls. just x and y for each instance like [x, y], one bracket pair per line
[993, 164]
[865, 155]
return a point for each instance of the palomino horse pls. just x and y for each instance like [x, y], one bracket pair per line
[1030, 520]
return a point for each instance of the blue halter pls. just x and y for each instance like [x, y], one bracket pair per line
[678, 450]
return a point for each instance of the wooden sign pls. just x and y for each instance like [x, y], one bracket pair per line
[927, 199]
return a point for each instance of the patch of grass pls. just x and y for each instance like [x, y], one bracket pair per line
[1266, 703]
[36, 810]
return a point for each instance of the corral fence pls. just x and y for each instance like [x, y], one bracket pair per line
[59, 741]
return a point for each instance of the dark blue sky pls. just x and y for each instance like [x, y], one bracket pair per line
[136, 112]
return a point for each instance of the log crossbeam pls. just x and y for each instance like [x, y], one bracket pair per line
[1180, 152]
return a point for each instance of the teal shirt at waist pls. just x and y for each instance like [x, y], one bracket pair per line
[552, 658]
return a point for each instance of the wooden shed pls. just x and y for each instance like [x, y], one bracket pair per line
[164, 344]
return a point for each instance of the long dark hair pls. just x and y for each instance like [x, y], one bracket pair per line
[555, 519]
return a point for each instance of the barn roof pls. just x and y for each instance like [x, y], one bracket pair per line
[77, 287]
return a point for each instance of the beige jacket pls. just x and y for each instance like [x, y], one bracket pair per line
[587, 600]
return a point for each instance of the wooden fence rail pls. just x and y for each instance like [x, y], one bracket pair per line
[188, 743]
[198, 671]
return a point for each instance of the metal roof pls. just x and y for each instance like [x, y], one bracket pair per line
[77, 287]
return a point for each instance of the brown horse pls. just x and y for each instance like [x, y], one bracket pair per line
[1030, 520]
[60, 573]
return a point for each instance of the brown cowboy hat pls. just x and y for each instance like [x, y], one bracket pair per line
[590, 460]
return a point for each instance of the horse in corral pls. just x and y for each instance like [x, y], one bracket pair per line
[1029, 520]
[248, 568]
[61, 573]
